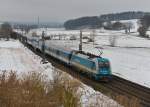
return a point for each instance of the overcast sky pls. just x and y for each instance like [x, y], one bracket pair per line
[61, 10]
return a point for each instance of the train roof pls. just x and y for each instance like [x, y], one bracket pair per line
[77, 52]
[69, 50]
[60, 47]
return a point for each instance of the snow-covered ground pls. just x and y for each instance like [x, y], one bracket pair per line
[133, 23]
[61, 31]
[14, 56]
[129, 58]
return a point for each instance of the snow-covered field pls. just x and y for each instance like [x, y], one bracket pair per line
[14, 56]
[129, 57]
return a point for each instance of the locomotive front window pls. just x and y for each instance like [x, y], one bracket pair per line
[104, 64]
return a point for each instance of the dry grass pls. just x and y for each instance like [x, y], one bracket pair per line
[32, 91]
[69, 89]
[128, 102]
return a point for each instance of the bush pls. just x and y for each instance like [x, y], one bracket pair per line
[90, 40]
[117, 26]
[73, 37]
[33, 91]
[142, 31]
[34, 34]
[145, 23]
[6, 30]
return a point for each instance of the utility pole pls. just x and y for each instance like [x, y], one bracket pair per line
[38, 22]
[43, 46]
[93, 36]
[80, 45]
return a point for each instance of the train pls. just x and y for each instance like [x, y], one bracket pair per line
[93, 66]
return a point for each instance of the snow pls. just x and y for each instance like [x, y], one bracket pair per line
[124, 40]
[134, 24]
[91, 97]
[15, 57]
[129, 58]
[132, 64]
[9, 44]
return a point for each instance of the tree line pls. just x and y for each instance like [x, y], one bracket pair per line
[83, 22]
[97, 21]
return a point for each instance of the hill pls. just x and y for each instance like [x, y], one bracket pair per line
[96, 21]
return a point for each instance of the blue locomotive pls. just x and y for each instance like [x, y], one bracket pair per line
[92, 65]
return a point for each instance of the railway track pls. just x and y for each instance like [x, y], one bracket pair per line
[130, 89]
[134, 89]
[116, 87]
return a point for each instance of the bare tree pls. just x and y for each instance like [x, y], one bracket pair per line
[145, 23]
